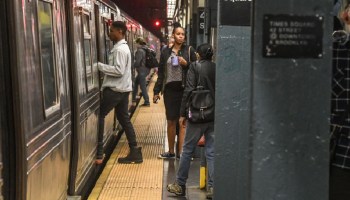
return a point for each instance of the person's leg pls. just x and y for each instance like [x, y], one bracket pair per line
[182, 131]
[171, 130]
[209, 148]
[191, 139]
[107, 104]
[193, 134]
[171, 122]
[142, 81]
[171, 133]
[124, 118]
[339, 184]
[135, 154]
[135, 88]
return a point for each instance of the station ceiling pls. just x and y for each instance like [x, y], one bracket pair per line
[146, 12]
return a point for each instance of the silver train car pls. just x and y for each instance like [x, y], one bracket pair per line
[50, 89]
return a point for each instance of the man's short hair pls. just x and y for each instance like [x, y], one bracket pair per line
[120, 25]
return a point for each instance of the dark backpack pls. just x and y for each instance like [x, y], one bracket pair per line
[201, 104]
[151, 60]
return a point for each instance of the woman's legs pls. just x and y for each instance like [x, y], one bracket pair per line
[171, 129]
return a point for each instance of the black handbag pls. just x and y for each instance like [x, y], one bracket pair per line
[201, 104]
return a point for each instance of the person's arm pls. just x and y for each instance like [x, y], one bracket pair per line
[188, 57]
[117, 69]
[161, 70]
[191, 84]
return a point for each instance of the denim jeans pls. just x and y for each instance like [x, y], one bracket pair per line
[141, 80]
[119, 101]
[193, 134]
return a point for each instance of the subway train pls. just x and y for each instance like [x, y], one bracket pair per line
[50, 94]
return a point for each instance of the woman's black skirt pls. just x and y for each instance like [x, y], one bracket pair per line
[173, 92]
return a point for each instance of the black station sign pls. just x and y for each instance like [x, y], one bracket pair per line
[289, 36]
[235, 12]
[201, 20]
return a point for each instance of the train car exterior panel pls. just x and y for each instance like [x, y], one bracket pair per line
[40, 148]
[88, 134]
[42, 97]
[54, 49]
[49, 179]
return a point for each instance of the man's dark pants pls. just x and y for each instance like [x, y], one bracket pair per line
[141, 80]
[339, 188]
[119, 101]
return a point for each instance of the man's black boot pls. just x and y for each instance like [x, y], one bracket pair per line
[134, 156]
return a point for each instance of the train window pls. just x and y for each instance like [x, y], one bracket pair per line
[87, 51]
[108, 42]
[48, 67]
[86, 24]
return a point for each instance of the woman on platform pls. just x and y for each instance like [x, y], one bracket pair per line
[173, 66]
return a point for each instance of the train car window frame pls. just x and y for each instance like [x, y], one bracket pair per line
[44, 17]
[48, 1]
[127, 36]
[87, 49]
[108, 41]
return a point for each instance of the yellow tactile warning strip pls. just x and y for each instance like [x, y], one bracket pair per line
[137, 181]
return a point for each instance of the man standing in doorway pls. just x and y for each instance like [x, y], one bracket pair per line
[116, 87]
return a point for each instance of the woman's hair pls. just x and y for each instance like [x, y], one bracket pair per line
[205, 51]
[120, 25]
[140, 41]
[177, 25]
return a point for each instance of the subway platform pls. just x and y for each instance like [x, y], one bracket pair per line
[146, 181]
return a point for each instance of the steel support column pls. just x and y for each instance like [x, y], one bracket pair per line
[273, 101]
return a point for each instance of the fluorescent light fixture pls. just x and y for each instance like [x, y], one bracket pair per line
[170, 8]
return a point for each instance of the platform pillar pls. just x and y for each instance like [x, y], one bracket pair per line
[273, 100]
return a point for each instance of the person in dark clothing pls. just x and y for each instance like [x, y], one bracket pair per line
[142, 72]
[206, 69]
[169, 45]
[116, 87]
[171, 81]
[340, 110]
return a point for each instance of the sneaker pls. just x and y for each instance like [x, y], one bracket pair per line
[166, 155]
[146, 105]
[178, 190]
[210, 193]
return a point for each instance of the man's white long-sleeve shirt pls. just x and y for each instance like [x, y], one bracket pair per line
[118, 71]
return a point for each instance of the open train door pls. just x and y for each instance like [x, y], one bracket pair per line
[7, 145]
